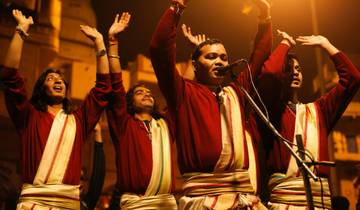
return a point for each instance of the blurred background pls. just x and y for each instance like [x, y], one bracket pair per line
[57, 41]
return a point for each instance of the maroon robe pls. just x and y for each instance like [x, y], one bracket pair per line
[132, 144]
[33, 126]
[196, 110]
[330, 107]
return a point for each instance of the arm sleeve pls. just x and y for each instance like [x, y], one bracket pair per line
[163, 58]
[262, 49]
[95, 102]
[17, 104]
[333, 104]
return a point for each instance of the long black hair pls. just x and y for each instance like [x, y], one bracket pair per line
[39, 98]
[288, 72]
[130, 102]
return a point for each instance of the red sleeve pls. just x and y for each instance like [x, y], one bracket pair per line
[16, 100]
[333, 104]
[117, 109]
[95, 102]
[262, 49]
[163, 58]
[275, 63]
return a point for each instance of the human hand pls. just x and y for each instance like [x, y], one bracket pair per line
[22, 21]
[318, 40]
[119, 24]
[264, 8]
[182, 2]
[91, 33]
[194, 40]
[313, 40]
[287, 39]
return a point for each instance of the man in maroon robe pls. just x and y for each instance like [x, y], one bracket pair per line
[46, 124]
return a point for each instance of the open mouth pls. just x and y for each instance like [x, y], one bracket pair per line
[219, 72]
[58, 88]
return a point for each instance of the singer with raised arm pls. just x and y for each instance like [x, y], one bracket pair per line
[142, 139]
[216, 156]
[312, 121]
[51, 134]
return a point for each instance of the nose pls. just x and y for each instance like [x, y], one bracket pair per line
[220, 62]
[58, 80]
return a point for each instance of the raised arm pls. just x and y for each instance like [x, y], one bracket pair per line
[263, 39]
[275, 63]
[101, 56]
[117, 107]
[13, 55]
[98, 97]
[163, 54]
[334, 103]
[15, 94]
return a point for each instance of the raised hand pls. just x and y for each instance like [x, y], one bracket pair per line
[264, 8]
[91, 33]
[193, 40]
[287, 39]
[313, 40]
[22, 21]
[119, 24]
[318, 40]
[182, 2]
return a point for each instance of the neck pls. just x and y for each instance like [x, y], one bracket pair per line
[54, 109]
[294, 97]
[143, 116]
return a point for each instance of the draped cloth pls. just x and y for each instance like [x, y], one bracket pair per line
[226, 187]
[47, 189]
[287, 190]
[157, 195]
[289, 193]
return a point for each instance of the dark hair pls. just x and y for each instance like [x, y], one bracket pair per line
[289, 62]
[197, 51]
[130, 103]
[39, 98]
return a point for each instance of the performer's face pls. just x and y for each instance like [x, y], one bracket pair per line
[212, 57]
[55, 86]
[143, 99]
[296, 75]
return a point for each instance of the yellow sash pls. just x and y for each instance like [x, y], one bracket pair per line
[157, 193]
[232, 156]
[306, 124]
[160, 181]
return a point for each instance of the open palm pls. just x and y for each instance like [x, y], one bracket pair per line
[90, 32]
[193, 39]
[22, 20]
[119, 24]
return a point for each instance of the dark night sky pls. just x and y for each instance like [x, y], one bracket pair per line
[339, 21]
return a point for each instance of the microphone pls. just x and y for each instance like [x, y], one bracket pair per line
[222, 70]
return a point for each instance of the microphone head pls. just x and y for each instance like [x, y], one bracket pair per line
[222, 70]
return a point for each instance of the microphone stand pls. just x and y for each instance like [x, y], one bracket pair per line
[301, 164]
[306, 180]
